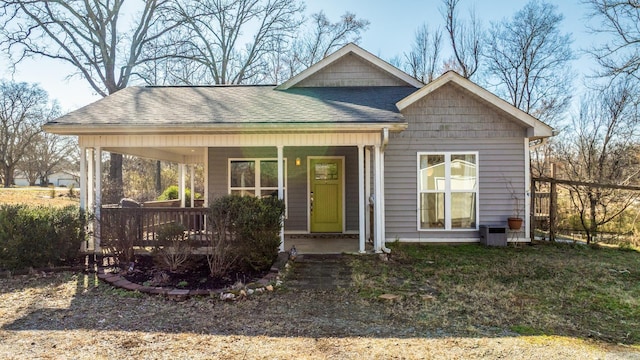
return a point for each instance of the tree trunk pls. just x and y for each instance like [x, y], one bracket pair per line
[116, 188]
[593, 227]
[158, 177]
[8, 176]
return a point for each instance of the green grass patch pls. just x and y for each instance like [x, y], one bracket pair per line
[567, 290]
[526, 330]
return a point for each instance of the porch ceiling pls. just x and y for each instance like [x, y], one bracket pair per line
[180, 155]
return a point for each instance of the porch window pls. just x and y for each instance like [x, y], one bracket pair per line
[255, 177]
[447, 191]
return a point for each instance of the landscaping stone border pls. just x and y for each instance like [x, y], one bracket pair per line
[265, 284]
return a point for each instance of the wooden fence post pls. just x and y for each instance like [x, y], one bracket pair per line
[532, 211]
[553, 208]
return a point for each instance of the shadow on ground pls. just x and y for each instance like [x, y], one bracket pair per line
[316, 300]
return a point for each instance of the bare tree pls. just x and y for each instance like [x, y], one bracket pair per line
[620, 20]
[23, 110]
[47, 153]
[228, 40]
[422, 60]
[313, 43]
[326, 37]
[90, 36]
[602, 148]
[529, 59]
[464, 38]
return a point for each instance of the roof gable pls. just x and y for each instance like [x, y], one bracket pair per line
[351, 66]
[536, 128]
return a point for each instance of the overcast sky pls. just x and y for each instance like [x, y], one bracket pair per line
[393, 24]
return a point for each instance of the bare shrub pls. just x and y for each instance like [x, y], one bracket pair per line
[174, 247]
[119, 232]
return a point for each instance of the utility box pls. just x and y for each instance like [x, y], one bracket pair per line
[493, 235]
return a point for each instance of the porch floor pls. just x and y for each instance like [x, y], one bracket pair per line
[325, 243]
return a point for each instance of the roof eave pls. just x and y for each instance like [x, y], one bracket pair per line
[73, 129]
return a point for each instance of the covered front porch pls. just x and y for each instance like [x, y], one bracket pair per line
[362, 204]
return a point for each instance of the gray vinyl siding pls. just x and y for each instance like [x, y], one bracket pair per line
[453, 120]
[351, 71]
[296, 179]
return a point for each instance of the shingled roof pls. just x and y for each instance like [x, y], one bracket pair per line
[212, 106]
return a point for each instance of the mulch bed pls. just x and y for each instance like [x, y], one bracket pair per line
[194, 277]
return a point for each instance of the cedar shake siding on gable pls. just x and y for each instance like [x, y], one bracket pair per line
[297, 181]
[449, 120]
[351, 71]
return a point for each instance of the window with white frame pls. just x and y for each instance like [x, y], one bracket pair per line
[447, 191]
[255, 177]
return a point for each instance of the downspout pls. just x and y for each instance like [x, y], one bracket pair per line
[383, 147]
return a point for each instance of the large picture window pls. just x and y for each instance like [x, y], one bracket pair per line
[255, 177]
[447, 191]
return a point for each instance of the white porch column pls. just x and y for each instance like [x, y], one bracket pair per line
[383, 214]
[83, 188]
[83, 178]
[206, 186]
[206, 176]
[367, 189]
[527, 191]
[362, 208]
[281, 188]
[98, 194]
[192, 174]
[377, 238]
[91, 190]
[181, 184]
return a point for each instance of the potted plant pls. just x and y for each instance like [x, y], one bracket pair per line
[515, 222]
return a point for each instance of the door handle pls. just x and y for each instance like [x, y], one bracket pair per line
[311, 201]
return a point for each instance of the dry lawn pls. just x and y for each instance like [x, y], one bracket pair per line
[70, 315]
[551, 302]
[57, 197]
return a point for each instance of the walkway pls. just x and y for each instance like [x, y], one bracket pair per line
[325, 243]
[319, 272]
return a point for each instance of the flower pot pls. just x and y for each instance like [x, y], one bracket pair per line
[515, 223]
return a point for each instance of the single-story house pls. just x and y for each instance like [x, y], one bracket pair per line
[64, 178]
[435, 161]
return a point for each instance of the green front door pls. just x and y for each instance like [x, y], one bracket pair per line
[326, 195]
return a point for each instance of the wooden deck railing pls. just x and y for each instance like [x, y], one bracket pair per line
[141, 225]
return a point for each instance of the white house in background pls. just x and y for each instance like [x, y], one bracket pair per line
[435, 159]
[58, 179]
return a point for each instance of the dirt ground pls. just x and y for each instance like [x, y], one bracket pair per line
[73, 316]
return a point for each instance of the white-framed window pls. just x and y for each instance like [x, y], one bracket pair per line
[256, 177]
[447, 191]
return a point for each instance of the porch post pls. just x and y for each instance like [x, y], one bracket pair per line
[367, 190]
[83, 178]
[181, 184]
[206, 176]
[98, 194]
[91, 194]
[281, 188]
[193, 185]
[206, 186]
[83, 189]
[383, 217]
[527, 190]
[377, 239]
[362, 208]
